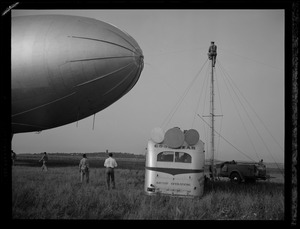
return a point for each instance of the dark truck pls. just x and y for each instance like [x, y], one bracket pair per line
[238, 172]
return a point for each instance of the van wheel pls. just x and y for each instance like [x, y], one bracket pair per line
[235, 178]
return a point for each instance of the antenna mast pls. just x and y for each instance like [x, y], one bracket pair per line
[212, 55]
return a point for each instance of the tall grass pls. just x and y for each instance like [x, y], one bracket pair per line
[58, 194]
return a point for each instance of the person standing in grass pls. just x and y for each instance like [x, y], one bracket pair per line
[84, 169]
[110, 163]
[44, 159]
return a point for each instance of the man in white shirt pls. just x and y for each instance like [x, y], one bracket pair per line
[110, 163]
[84, 169]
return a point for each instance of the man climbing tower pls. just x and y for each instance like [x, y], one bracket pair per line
[212, 53]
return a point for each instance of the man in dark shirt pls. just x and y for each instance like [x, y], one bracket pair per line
[212, 52]
[44, 159]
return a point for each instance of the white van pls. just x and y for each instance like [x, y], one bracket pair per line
[177, 172]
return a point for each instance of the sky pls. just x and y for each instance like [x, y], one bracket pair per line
[249, 85]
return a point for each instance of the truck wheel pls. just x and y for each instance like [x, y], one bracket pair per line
[235, 177]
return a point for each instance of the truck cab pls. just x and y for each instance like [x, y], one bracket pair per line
[241, 172]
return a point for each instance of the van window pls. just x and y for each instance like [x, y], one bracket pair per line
[167, 156]
[183, 157]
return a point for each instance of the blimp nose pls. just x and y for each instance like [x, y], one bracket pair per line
[139, 61]
[137, 53]
[104, 56]
[109, 63]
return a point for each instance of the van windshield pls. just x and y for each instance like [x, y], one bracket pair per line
[183, 157]
[168, 156]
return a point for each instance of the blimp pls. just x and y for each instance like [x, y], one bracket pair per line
[66, 68]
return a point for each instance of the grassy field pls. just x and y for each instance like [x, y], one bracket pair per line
[58, 194]
[66, 160]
